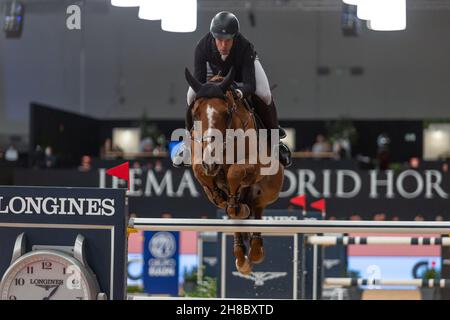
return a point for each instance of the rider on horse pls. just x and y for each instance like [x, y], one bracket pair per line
[217, 52]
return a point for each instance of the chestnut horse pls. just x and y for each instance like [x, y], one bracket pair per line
[236, 186]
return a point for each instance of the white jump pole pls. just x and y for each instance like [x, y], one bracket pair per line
[336, 240]
[308, 227]
[350, 282]
[291, 226]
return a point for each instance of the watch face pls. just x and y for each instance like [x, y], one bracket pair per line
[47, 275]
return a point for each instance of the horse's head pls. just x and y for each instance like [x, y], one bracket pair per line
[211, 109]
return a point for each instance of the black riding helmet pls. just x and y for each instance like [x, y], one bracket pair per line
[224, 25]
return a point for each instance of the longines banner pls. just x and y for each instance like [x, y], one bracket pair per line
[348, 190]
[55, 217]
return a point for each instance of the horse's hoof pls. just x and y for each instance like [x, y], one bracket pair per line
[239, 251]
[239, 211]
[256, 257]
[245, 268]
[244, 211]
[256, 251]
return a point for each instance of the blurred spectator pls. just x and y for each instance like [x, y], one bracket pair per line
[106, 148]
[445, 167]
[439, 218]
[383, 153]
[343, 148]
[395, 218]
[158, 166]
[147, 145]
[379, 217]
[321, 145]
[38, 157]
[136, 165]
[166, 215]
[340, 151]
[148, 166]
[49, 159]
[161, 142]
[132, 215]
[11, 154]
[355, 217]
[85, 164]
[419, 217]
[118, 152]
[414, 163]
[332, 218]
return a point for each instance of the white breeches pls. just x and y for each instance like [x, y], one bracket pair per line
[262, 85]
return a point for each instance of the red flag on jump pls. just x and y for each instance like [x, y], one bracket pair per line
[121, 171]
[319, 205]
[299, 200]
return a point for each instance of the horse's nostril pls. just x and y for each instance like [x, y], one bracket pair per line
[206, 165]
[210, 167]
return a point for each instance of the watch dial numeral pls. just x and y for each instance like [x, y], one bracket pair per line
[19, 281]
[64, 270]
[46, 265]
[30, 270]
[12, 298]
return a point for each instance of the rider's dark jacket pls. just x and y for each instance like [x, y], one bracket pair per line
[242, 58]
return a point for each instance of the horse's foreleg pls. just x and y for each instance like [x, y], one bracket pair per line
[243, 264]
[235, 209]
[214, 194]
[256, 251]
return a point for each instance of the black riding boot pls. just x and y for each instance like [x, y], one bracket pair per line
[268, 115]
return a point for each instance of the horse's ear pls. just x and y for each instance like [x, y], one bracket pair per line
[194, 83]
[195, 107]
[226, 82]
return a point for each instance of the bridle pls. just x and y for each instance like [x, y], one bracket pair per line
[231, 110]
